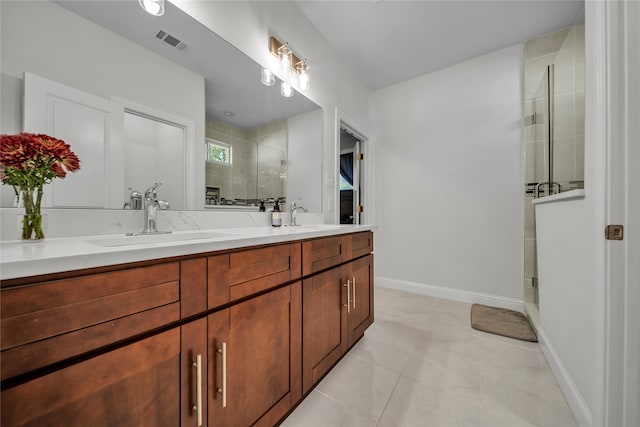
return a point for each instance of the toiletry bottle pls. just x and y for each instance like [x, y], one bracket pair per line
[262, 208]
[276, 215]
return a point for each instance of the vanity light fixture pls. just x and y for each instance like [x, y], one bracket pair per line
[303, 76]
[267, 77]
[153, 7]
[286, 89]
[284, 55]
[291, 69]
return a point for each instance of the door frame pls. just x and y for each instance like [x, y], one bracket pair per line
[618, 345]
[366, 178]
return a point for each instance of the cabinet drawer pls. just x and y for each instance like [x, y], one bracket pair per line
[48, 322]
[136, 385]
[241, 274]
[361, 244]
[323, 253]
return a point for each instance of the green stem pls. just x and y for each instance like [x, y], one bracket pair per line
[32, 220]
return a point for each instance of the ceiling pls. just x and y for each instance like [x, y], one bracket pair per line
[389, 41]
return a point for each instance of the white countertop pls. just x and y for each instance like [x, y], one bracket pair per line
[20, 259]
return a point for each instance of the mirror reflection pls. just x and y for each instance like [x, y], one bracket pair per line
[144, 99]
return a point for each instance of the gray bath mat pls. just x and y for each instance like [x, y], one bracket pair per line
[501, 321]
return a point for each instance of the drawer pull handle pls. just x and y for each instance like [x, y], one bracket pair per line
[348, 304]
[354, 292]
[197, 407]
[223, 390]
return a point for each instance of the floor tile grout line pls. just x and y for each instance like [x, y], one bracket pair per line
[386, 404]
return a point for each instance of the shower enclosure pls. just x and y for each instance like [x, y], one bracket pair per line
[554, 130]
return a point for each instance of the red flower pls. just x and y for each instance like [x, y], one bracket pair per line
[70, 161]
[58, 170]
[17, 149]
[50, 146]
[31, 160]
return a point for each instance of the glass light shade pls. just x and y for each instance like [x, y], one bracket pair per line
[285, 64]
[286, 90]
[267, 77]
[303, 80]
[153, 7]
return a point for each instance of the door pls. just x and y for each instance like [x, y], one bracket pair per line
[359, 275]
[350, 177]
[136, 385]
[324, 324]
[86, 123]
[254, 359]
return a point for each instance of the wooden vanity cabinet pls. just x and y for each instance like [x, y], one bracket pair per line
[255, 359]
[240, 274]
[223, 339]
[50, 321]
[337, 308]
[359, 275]
[136, 385]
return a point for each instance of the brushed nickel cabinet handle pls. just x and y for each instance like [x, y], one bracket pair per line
[348, 304]
[223, 390]
[354, 292]
[197, 407]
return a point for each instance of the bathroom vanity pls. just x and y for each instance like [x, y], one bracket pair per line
[227, 330]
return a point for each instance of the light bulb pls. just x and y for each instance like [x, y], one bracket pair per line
[267, 77]
[153, 7]
[303, 80]
[285, 63]
[286, 90]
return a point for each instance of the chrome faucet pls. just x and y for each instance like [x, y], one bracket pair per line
[294, 212]
[135, 200]
[151, 206]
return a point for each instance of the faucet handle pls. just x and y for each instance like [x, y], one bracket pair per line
[293, 203]
[152, 190]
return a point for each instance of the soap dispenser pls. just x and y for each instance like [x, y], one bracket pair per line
[276, 215]
[262, 208]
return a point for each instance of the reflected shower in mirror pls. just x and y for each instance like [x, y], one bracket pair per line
[104, 58]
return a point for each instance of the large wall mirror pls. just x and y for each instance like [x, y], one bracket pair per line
[144, 99]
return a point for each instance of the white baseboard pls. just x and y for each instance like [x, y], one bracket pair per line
[576, 402]
[449, 293]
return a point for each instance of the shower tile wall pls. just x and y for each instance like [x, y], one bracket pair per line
[233, 182]
[265, 146]
[565, 50]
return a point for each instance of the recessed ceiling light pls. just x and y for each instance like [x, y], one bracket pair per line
[229, 114]
[153, 7]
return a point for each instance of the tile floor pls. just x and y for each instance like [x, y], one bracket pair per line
[421, 364]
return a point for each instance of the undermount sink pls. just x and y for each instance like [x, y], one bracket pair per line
[142, 239]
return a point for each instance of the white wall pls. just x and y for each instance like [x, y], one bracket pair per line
[448, 180]
[304, 172]
[582, 294]
[567, 278]
[248, 25]
[90, 58]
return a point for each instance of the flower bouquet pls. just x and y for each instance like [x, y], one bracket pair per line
[27, 162]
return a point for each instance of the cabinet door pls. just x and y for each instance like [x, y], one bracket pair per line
[359, 277]
[136, 385]
[324, 324]
[255, 359]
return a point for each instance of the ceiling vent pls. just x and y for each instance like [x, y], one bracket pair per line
[173, 41]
